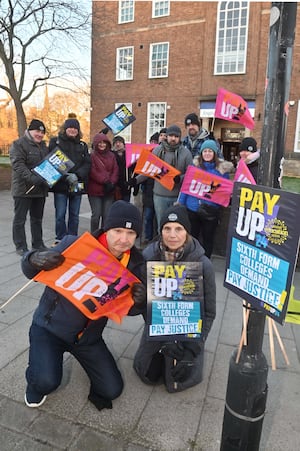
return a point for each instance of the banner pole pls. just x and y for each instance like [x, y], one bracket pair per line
[16, 294]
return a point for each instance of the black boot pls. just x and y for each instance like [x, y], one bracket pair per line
[99, 402]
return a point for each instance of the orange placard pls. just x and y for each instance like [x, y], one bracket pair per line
[92, 279]
[150, 165]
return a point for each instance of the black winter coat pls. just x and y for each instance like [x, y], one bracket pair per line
[77, 151]
[60, 317]
[25, 154]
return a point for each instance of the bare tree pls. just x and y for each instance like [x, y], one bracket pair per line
[37, 38]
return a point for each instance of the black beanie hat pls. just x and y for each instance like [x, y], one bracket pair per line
[174, 130]
[176, 213]
[119, 138]
[123, 215]
[72, 123]
[192, 118]
[248, 144]
[35, 124]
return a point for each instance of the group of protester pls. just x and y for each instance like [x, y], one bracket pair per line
[58, 326]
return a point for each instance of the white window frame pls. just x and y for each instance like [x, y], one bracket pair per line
[126, 11]
[121, 66]
[297, 133]
[126, 132]
[230, 23]
[159, 61]
[156, 117]
[158, 6]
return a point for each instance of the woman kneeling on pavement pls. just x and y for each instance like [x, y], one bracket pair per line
[155, 360]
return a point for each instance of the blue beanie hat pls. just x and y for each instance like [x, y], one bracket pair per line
[209, 144]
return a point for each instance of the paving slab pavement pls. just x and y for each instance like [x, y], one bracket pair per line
[143, 417]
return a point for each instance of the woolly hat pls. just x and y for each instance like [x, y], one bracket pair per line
[154, 137]
[176, 213]
[123, 215]
[248, 144]
[174, 130]
[163, 130]
[101, 137]
[209, 144]
[72, 123]
[192, 118]
[119, 138]
[35, 124]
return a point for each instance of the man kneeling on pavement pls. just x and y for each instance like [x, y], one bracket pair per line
[58, 326]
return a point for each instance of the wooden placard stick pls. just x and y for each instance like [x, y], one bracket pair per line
[280, 343]
[243, 340]
[271, 339]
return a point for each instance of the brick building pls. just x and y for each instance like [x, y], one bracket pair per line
[165, 59]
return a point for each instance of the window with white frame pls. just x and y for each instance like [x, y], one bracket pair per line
[126, 133]
[231, 38]
[156, 117]
[297, 134]
[159, 60]
[126, 11]
[160, 8]
[124, 64]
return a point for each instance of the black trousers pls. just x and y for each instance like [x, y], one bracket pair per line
[204, 230]
[35, 206]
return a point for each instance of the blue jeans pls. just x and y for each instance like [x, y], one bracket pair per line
[149, 215]
[161, 203]
[61, 202]
[45, 367]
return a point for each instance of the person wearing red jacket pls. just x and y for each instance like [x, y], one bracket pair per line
[103, 177]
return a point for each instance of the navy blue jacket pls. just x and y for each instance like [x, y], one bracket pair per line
[60, 317]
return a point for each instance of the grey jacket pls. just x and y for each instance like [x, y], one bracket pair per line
[177, 156]
[25, 154]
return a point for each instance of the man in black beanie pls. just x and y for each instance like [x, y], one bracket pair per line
[173, 152]
[195, 134]
[59, 327]
[250, 154]
[29, 191]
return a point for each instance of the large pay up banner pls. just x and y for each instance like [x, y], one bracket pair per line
[262, 246]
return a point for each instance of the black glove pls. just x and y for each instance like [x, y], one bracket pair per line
[136, 190]
[177, 179]
[36, 180]
[173, 350]
[139, 295]
[131, 182]
[46, 259]
[104, 130]
[182, 370]
[108, 187]
[72, 178]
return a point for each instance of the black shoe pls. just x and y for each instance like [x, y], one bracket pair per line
[37, 402]
[41, 248]
[21, 252]
[99, 402]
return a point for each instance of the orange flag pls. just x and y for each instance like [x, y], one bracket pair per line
[92, 279]
[150, 165]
